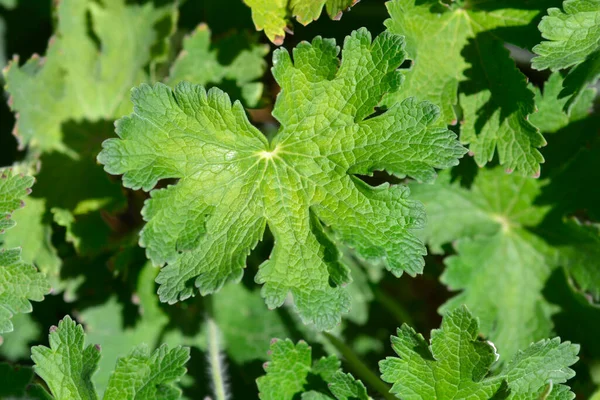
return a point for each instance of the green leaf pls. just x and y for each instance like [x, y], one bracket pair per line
[571, 35]
[232, 181]
[80, 78]
[105, 326]
[456, 365]
[272, 15]
[500, 267]
[550, 115]
[572, 40]
[291, 372]
[20, 282]
[66, 366]
[199, 63]
[145, 375]
[494, 97]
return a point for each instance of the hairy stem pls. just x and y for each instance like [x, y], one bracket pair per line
[359, 368]
[217, 366]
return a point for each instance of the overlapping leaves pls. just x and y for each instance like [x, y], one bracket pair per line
[459, 60]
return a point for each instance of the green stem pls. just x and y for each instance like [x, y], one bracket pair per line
[401, 315]
[359, 368]
[215, 358]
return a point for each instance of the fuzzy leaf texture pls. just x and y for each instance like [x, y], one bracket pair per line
[500, 266]
[233, 182]
[20, 282]
[572, 40]
[67, 367]
[291, 372]
[456, 365]
[474, 71]
[272, 15]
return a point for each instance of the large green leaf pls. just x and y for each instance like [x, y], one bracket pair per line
[233, 182]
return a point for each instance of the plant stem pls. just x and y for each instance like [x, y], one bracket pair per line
[215, 359]
[401, 315]
[359, 368]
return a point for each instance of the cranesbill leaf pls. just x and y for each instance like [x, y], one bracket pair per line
[272, 15]
[198, 63]
[458, 50]
[19, 282]
[233, 182]
[572, 40]
[500, 266]
[456, 365]
[289, 370]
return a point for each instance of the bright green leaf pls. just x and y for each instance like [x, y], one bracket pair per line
[232, 182]
[456, 365]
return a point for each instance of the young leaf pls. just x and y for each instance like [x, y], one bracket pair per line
[199, 63]
[67, 368]
[494, 96]
[271, 15]
[457, 365]
[572, 40]
[291, 372]
[500, 266]
[232, 182]
[20, 282]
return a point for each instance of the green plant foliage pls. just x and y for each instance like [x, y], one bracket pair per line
[272, 15]
[189, 189]
[291, 371]
[199, 63]
[287, 183]
[67, 368]
[475, 72]
[457, 364]
[20, 282]
[572, 40]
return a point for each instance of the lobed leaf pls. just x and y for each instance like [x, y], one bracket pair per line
[233, 182]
